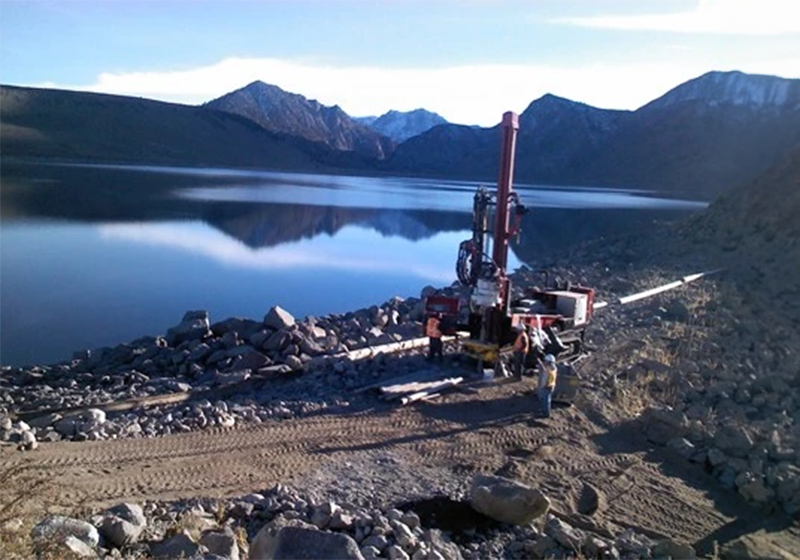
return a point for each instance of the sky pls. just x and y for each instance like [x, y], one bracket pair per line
[469, 61]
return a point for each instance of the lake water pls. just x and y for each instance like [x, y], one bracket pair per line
[93, 256]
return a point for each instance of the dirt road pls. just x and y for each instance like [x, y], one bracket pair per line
[602, 478]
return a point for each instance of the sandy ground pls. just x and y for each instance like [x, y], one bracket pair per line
[600, 476]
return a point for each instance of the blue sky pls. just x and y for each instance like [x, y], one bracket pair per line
[468, 60]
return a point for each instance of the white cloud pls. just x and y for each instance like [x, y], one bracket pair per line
[736, 17]
[474, 94]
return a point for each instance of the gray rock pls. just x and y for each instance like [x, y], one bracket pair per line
[132, 513]
[629, 541]
[403, 535]
[595, 547]
[194, 325]
[672, 549]
[682, 447]
[507, 501]
[733, 440]
[94, 415]
[341, 521]
[303, 543]
[376, 541]
[322, 515]
[370, 552]
[278, 318]
[120, 532]
[59, 527]
[253, 360]
[179, 546]
[411, 519]
[440, 544]
[72, 547]
[294, 362]
[564, 534]
[66, 426]
[44, 421]
[278, 342]
[27, 441]
[755, 491]
[222, 543]
[543, 546]
[395, 552]
[662, 425]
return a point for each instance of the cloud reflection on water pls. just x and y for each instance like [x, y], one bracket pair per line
[352, 248]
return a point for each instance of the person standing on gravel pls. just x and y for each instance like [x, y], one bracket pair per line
[433, 330]
[522, 346]
[548, 373]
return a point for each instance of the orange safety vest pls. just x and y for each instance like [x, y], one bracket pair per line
[432, 328]
[523, 343]
[552, 374]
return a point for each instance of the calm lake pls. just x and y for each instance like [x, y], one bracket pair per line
[93, 256]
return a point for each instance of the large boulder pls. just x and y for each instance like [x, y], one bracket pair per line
[733, 440]
[278, 318]
[123, 524]
[194, 325]
[661, 425]
[507, 501]
[221, 543]
[58, 528]
[285, 539]
[178, 546]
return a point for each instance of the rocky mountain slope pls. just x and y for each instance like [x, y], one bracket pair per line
[400, 126]
[96, 127]
[279, 111]
[699, 139]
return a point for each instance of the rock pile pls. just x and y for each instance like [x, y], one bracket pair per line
[284, 523]
[724, 380]
[196, 356]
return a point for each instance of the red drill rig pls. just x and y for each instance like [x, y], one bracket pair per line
[556, 317]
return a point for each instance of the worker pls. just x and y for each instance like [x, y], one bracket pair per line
[522, 346]
[433, 331]
[548, 373]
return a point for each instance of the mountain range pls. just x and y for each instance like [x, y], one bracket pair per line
[400, 126]
[699, 139]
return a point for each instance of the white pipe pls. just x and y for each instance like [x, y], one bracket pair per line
[655, 291]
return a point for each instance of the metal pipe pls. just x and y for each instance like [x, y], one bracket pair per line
[509, 127]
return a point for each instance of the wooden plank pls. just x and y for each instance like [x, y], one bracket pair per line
[432, 390]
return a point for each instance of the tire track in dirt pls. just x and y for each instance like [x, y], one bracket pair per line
[454, 433]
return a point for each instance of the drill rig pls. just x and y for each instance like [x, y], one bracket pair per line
[556, 317]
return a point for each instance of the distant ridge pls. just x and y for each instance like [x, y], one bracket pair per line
[85, 126]
[734, 88]
[279, 111]
[698, 140]
[400, 126]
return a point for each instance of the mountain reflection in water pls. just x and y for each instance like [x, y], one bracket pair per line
[98, 255]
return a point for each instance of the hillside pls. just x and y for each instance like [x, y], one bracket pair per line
[97, 127]
[699, 139]
[754, 230]
[279, 111]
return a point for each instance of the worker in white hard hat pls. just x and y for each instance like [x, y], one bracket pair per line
[548, 373]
